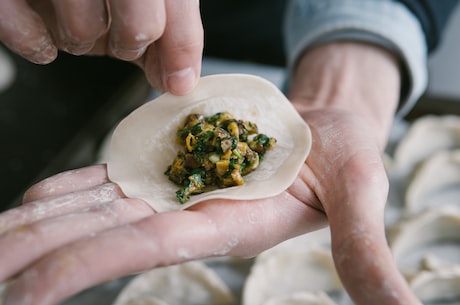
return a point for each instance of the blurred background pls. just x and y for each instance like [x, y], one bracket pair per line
[445, 63]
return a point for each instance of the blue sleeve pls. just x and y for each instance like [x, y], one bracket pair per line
[387, 23]
[433, 16]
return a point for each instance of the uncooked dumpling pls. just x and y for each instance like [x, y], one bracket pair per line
[426, 136]
[144, 143]
[436, 182]
[306, 270]
[439, 285]
[433, 234]
[148, 300]
[190, 283]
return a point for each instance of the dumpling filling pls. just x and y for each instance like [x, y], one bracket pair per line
[218, 151]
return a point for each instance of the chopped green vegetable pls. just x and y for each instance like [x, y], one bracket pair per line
[194, 186]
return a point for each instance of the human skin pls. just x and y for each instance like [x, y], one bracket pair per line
[165, 38]
[351, 90]
[77, 229]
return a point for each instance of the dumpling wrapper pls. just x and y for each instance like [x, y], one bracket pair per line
[433, 262]
[191, 283]
[144, 143]
[433, 234]
[302, 270]
[436, 182]
[437, 285]
[148, 300]
[426, 136]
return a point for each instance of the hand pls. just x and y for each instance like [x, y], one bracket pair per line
[165, 38]
[77, 229]
[348, 92]
[343, 181]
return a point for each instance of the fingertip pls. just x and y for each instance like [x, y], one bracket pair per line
[25, 33]
[78, 49]
[127, 54]
[42, 54]
[38, 49]
[181, 82]
[79, 24]
[67, 182]
[28, 196]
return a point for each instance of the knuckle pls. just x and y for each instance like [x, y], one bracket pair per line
[145, 35]
[139, 34]
[187, 47]
[81, 21]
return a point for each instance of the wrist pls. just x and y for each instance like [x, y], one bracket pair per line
[349, 76]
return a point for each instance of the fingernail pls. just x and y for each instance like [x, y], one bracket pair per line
[78, 49]
[128, 55]
[42, 53]
[181, 82]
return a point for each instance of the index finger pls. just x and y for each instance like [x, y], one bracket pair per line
[350, 181]
[359, 246]
[365, 263]
[67, 182]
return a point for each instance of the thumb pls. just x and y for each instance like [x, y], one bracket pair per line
[360, 249]
[353, 186]
[365, 263]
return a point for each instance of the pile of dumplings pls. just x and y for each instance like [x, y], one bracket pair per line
[424, 226]
[423, 223]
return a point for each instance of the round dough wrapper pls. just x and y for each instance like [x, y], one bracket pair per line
[306, 270]
[191, 283]
[144, 143]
